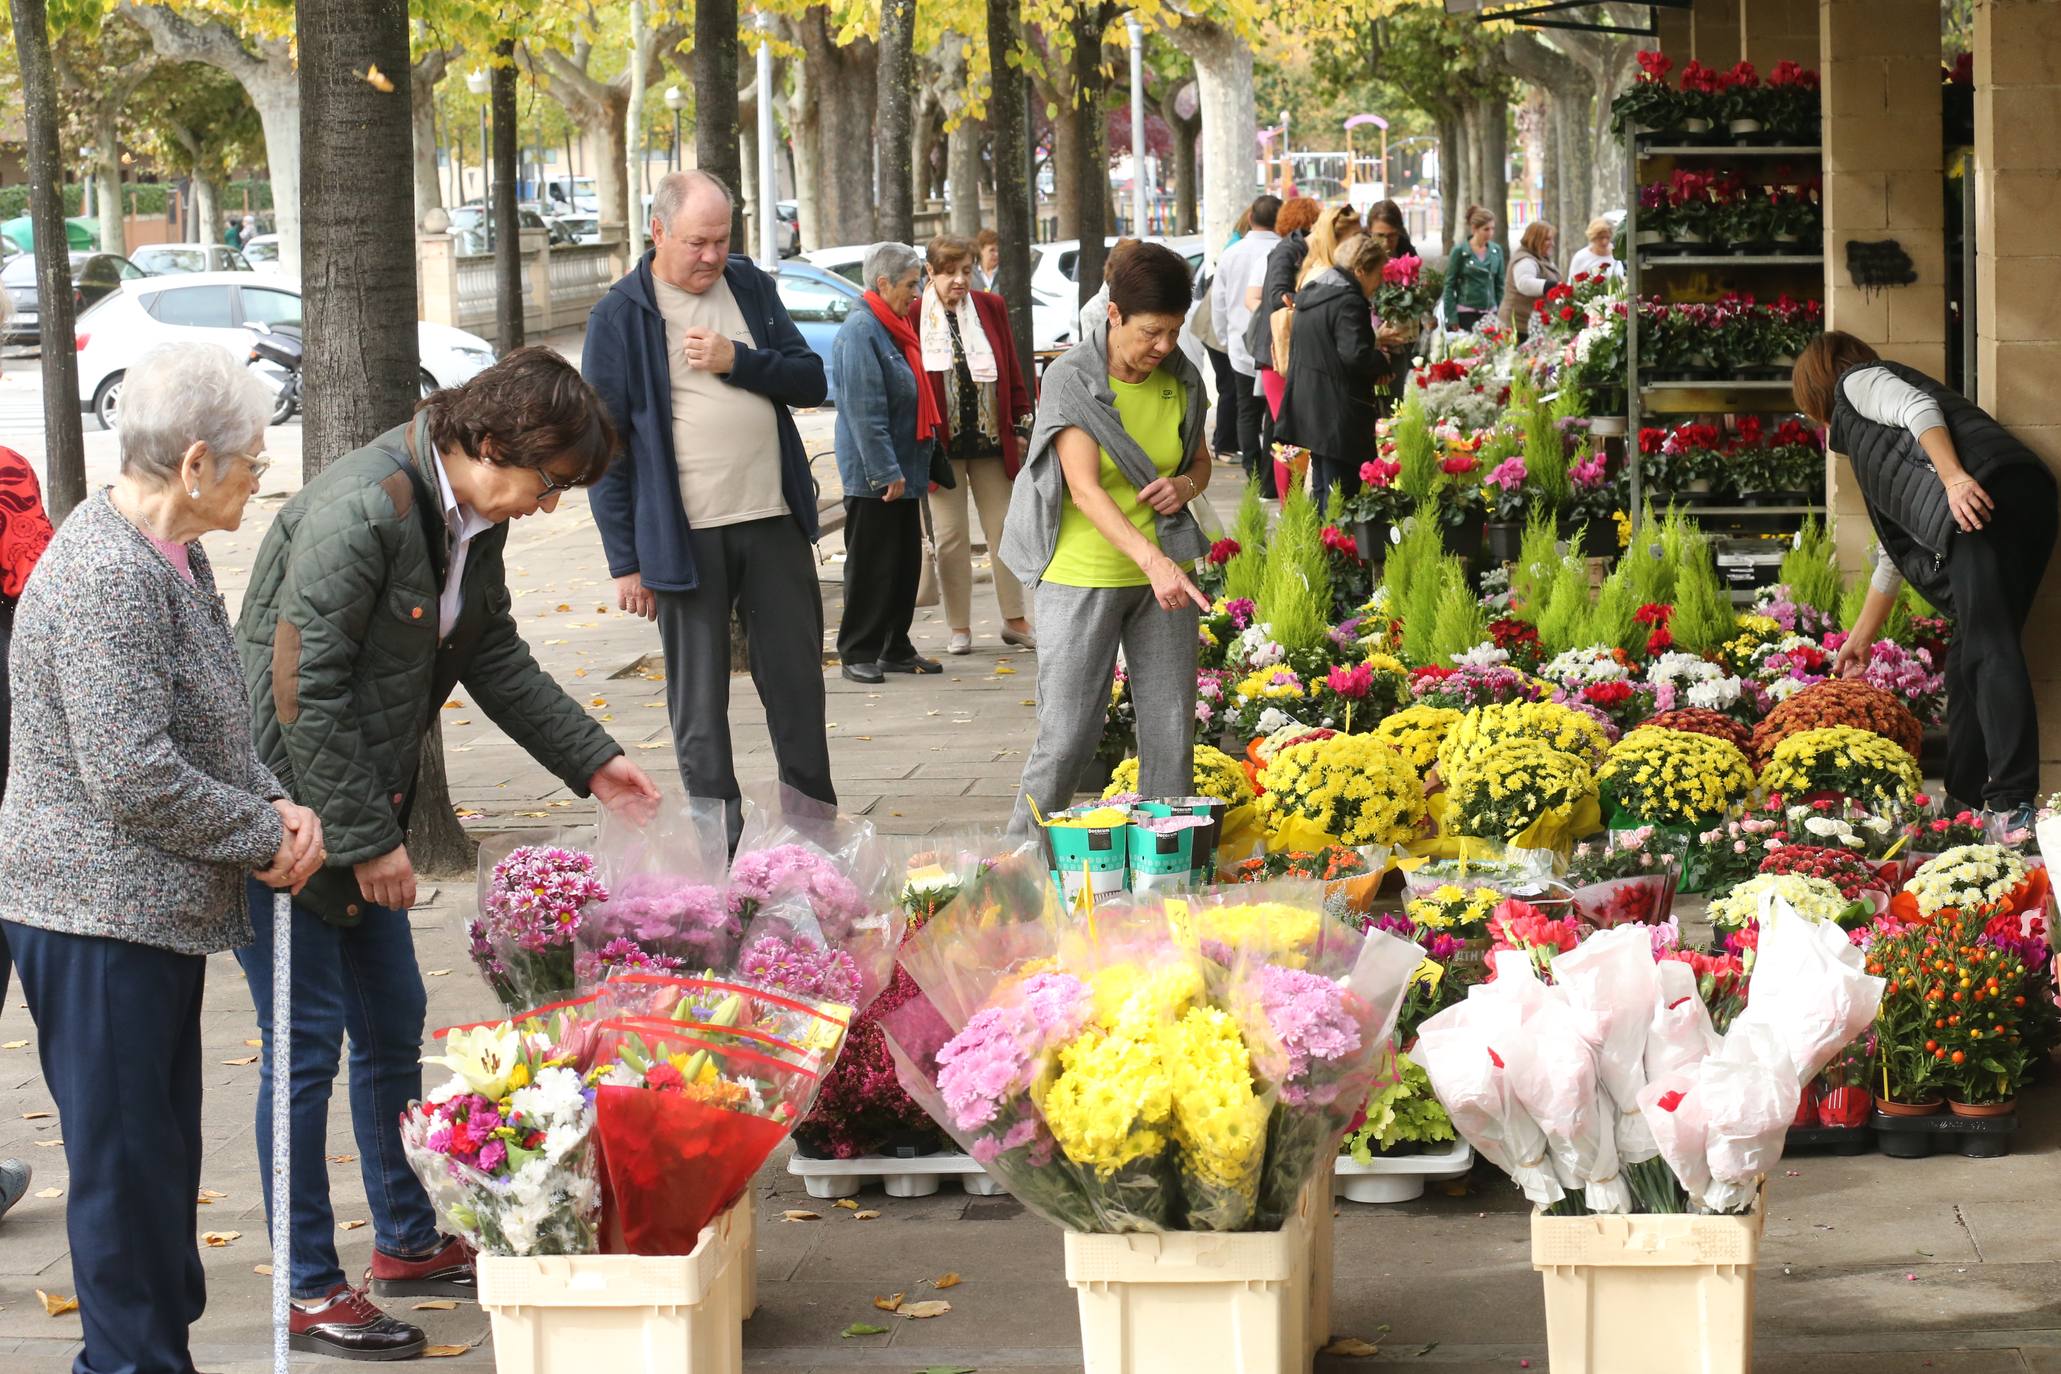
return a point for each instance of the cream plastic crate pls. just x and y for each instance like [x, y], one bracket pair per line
[1317, 1213]
[626, 1314]
[1636, 1294]
[1197, 1301]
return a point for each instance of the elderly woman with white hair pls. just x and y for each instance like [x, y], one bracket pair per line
[887, 422]
[136, 808]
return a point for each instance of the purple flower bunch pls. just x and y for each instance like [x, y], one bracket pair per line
[1439, 945]
[1241, 610]
[537, 894]
[1778, 603]
[990, 1065]
[1312, 1025]
[1907, 674]
[798, 965]
[620, 956]
[797, 872]
[1593, 712]
[1469, 686]
[667, 914]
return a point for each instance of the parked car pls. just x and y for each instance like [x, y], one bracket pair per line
[574, 195]
[787, 227]
[168, 259]
[216, 307]
[547, 217]
[1055, 285]
[261, 251]
[473, 225]
[848, 263]
[818, 301]
[580, 228]
[94, 277]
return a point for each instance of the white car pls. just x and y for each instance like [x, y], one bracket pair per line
[170, 259]
[261, 251]
[216, 307]
[849, 263]
[1055, 286]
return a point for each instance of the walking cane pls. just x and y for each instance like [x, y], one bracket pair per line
[282, 1130]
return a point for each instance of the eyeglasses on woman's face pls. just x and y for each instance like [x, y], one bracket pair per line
[553, 484]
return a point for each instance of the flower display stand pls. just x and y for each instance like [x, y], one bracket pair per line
[1202, 1302]
[571, 1314]
[1399, 1178]
[1635, 1294]
[916, 1176]
[1914, 1137]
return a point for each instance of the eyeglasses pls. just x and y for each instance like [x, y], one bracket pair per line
[259, 464]
[552, 485]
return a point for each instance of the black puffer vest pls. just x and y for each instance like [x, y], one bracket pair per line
[1907, 503]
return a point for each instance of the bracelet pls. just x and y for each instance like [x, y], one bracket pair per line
[1962, 482]
[1191, 485]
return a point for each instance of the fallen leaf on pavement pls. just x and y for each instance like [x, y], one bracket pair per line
[239, 1063]
[793, 1214]
[342, 1159]
[255, 1044]
[1004, 671]
[597, 701]
[436, 973]
[50, 1192]
[210, 1195]
[563, 607]
[1351, 1348]
[948, 1369]
[436, 1305]
[847, 1204]
[218, 1239]
[351, 1225]
[56, 1304]
[862, 1329]
[890, 1303]
[917, 1311]
[264, 1269]
[34, 1116]
[948, 1281]
[15, 1045]
[865, 1216]
[438, 1352]
[49, 1144]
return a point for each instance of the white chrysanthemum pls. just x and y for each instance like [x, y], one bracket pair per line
[1484, 655]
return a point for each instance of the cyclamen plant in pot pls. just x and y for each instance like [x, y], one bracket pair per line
[1702, 98]
[1650, 104]
[1844, 1097]
[1739, 96]
[1375, 508]
[1790, 108]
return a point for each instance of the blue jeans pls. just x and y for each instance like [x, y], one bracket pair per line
[118, 1036]
[360, 980]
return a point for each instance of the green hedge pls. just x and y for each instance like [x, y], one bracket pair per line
[138, 198]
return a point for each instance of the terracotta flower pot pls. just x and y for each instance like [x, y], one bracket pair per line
[1845, 1106]
[1889, 1107]
[2004, 1108]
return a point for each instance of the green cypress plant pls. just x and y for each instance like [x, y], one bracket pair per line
[1246, 570]
[1811, 569]
[1458, 622]
[1415, 450]
[1295, 593]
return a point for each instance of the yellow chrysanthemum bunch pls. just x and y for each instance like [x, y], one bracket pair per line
[1755, 632]
[1128, 997]
[1112, 1100]
[1500, 793]
[1450, 906]
[1857, 764]
[1219, 1119]
[1353, 788]
[1270, 684]
[1277, 932]
[1487, 729]
[1673, 777]
[1217, 775]
[1416, 732]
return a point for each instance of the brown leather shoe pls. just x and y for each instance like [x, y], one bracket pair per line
[346, 1326]
[444, 1274]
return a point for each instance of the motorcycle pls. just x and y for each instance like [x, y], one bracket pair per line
[275, 355]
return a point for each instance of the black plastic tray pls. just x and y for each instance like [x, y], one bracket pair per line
[1840, 1140]
[1914, 1137]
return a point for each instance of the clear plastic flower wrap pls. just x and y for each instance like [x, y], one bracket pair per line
[533, 897]
[506, 1147]
[668, 906]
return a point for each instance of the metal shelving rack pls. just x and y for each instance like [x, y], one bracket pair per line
[1693, 397]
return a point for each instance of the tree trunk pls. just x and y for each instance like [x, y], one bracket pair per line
[1069, 134]
[1090, 170]
[1495, 156]
[805, 139]
[894, 82]
[748, 192]
[1009, 127]
[422, 106]
[1230, 123]
[1186, 132]
[1452, 163]
[507, 223]
[963, 182]
[924, 138]
[716, 147]
[633, 124]
[845, 90]
[207, 207]
[360, 306]
[65, 467]
[437, 843]
[107, 177]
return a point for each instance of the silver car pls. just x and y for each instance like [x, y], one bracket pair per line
[168, 259]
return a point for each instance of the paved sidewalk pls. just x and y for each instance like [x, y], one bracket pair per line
[1871, 1265]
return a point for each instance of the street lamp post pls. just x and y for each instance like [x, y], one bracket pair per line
[769, 194]
[1137, 32]
[675, 98]
[479, 83]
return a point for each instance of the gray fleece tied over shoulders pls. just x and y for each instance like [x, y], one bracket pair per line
[1077, 394]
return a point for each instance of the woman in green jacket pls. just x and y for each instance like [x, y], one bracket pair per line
[1474, 275]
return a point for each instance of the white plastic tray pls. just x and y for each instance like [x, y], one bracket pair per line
[1401, 1178]
[917, 1177]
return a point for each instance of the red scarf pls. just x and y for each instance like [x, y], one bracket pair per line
[929, 419]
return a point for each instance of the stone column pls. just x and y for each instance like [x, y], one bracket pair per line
[2018, 271]
[436, 277]
[1883, 161]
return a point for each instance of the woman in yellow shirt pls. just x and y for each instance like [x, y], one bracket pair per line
[1099, 526]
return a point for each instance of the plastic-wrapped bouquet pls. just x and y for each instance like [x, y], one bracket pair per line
[1842, 761]
[1855, 877]
[1408, 292]
[505, 1146]
[1628, 876]
[810, 888]
[532, 901]
[1176, 1067]
[1814, 899]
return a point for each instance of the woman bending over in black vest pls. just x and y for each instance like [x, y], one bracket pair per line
[1963, 511]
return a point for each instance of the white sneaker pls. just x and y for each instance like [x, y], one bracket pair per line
[961, 644]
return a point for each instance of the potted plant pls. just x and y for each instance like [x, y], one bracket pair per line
[1508, 495]
[1745, 217]
[1844, 1098]
[1789, 104]
[1906, 1043]
[1796, 217]
[1594, 498]
[1656, 235]
[1374, 509]
[1649, 106]
[1739, 96]
[1457, 502]
[1694, 464]
[1702, 100]
[1691, 212]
